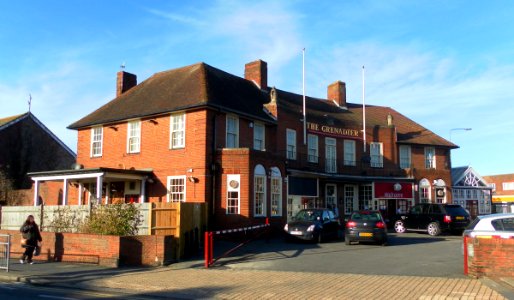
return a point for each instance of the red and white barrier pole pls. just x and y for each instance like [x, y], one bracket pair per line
[465, 255]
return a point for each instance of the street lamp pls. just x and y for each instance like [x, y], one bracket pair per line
[454, 129]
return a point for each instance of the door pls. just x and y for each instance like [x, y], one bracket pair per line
[331, 197]
[473, 208]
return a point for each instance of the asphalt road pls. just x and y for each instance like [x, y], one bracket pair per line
[409, 254]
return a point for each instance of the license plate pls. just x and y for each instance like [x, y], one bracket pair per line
[459, 218]
[294, 232]
[366, 234]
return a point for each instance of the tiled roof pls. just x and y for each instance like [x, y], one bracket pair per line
[6, 120]
[178, 89]
[458, 173]
[326, 111]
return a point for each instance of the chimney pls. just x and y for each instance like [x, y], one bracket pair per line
[124, 82]
[337, 92]
[257, 71]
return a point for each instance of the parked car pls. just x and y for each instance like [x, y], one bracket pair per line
[313, 225]
[501, 225]
[365, 226]
[434, 219]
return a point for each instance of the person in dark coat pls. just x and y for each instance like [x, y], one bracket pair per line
[30, 232]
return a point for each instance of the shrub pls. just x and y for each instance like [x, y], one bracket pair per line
[63, 219]
[113, 219]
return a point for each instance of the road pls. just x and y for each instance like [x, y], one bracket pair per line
[409, 254]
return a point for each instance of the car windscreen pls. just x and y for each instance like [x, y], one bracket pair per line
[455, 210]
[474, 223]
[307, 215]
[372, 216]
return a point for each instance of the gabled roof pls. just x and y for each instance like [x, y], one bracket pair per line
[198, 85]
[323, 111]
[10, 121]
[467, 176]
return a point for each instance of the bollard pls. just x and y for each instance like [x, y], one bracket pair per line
[206, 249]
[465, 243]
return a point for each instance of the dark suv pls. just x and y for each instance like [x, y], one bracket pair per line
[434, 219]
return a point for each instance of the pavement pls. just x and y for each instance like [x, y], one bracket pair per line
[224, 283]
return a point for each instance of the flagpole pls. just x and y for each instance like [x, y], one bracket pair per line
[363, 110]
[303, 91]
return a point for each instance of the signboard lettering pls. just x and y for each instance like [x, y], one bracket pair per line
[333, 131]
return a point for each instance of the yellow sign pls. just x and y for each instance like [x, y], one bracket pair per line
[333, 131]
[500, 199]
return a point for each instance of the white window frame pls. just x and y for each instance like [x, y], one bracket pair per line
[331, 199]
[330, 162]
[424, 185]
[182, 194]
[350, 205]
[349, 153]
[430, 162]
[276, 192]
[508, 186]
[178, 131]
[234, 133]
[259, 192]
[134, 136]
[313, 148]
[291, 144]
[404, 154]
[100, 141]
[376, 160]
[365, 196]
[259, 139]
[237, 190]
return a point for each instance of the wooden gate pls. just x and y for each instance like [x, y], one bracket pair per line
[186, 222]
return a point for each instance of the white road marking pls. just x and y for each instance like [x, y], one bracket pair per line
[56, 297]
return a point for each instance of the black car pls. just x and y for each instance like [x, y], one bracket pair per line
[366, 226]
[434, 219]
[313, 225]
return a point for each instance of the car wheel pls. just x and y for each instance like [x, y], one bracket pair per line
[399, 227]
[347, 240]
[433, 229]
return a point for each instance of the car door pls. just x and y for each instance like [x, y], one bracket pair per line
[426, 215]
[411, 219]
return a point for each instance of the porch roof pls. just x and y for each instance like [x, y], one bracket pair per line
[90, 173]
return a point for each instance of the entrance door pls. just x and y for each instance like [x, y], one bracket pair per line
[331, 197]
[472, 206]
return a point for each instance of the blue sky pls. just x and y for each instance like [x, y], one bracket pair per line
[444, 64]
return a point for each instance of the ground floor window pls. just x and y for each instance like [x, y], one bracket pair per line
[365, 196]
[276, 196]
[289, 207]
[233, 194]
[176, 188]
[260, 195]
[331, 197]
[404, 206]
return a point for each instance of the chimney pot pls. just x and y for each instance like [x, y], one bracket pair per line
[337, 92]
[257, 71]
[124, 82]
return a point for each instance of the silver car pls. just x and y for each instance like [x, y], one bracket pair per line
[489, 226]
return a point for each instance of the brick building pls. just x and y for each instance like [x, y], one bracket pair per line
[199, 134]
[503, 192]
[27, 145]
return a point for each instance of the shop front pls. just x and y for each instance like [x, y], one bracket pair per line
[393, 198]
[503, 203]
[302, 193]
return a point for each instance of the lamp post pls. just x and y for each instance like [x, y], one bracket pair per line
[455, 129]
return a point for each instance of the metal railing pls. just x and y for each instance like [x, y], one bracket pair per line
[5, 251]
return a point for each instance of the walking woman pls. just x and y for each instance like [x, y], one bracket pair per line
[30, 238]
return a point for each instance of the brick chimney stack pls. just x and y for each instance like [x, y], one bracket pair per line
[337, 92]
[124, 82]
[257, 71]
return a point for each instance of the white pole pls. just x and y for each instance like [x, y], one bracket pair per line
[363, 111]
[304, 109]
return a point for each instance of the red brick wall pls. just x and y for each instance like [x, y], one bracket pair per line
[105, 250]
[155, 153]
[492, 257]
